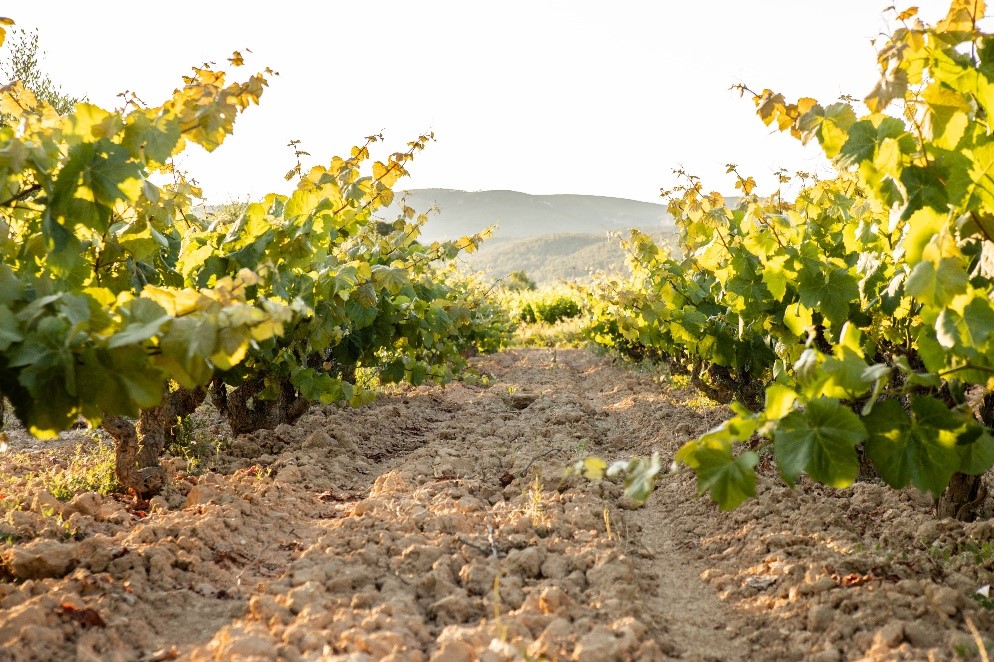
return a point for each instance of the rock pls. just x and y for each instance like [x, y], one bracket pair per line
[95, 553]
[289, 475]
[306, 594]
[453, 651]
[511, 593]
[830, 654]
[945, 600]
[818, 586]
[528, 560]
[248, 646]
[40, 559]
[911, 587]
[921, 636]
[21, 617]
[318, 439]
[200, 495]
[890, 635]
[206, 590]
[265, 608]
[820, 617]
[597, 645]
[555, 567]
[521, 400]
[552, 600]
[478, 577]
[87, 503]
[455, 608]
[46, 504]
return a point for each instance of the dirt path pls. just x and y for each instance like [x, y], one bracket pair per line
[437, 524]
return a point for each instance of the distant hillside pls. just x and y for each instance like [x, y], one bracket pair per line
[552, 257]
[523, 215]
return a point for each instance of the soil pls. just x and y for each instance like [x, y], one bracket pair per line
[437, 525]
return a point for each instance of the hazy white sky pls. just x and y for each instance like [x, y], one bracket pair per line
[541, 96]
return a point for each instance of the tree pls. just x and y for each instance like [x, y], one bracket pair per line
[23, 63]
[518, 281]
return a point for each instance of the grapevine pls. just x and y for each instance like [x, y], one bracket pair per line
[862, 308]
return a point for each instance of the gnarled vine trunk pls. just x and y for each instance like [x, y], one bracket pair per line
[246, 412]
[138, 446]
[965, 494]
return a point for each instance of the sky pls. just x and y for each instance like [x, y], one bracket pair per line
[538, 96]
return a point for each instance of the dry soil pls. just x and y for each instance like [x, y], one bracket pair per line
[437, 524]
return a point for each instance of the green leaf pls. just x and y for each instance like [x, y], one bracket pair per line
[977, 456]
[860, 145]
[392, 372]
[920, 449]
[798, 319]
[145, 319]
[830, 125]
[391, 279]
[779, 402]
[925, 189]
[641, 478]
[937, 284]
[775, 277]
[9, 329]
[846, 375]
[730, 480]
[821, 441]
[831, 296]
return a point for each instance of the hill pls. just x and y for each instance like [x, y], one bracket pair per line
[552, 257]
[523, 215]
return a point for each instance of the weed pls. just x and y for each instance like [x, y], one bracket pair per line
[90, 469]
[201, 452]
[536, 508]
[67, 532]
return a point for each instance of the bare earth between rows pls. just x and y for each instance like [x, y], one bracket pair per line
[437, 524]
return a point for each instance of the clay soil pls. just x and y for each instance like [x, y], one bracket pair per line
[437, 524]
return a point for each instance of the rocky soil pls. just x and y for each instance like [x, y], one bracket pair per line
[437, 525]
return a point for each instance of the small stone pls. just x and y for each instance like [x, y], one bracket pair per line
[760, 582]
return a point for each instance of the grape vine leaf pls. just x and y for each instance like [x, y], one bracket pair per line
[920, 449]
[821, 441]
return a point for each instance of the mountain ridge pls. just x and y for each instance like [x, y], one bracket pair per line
[518, 215]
